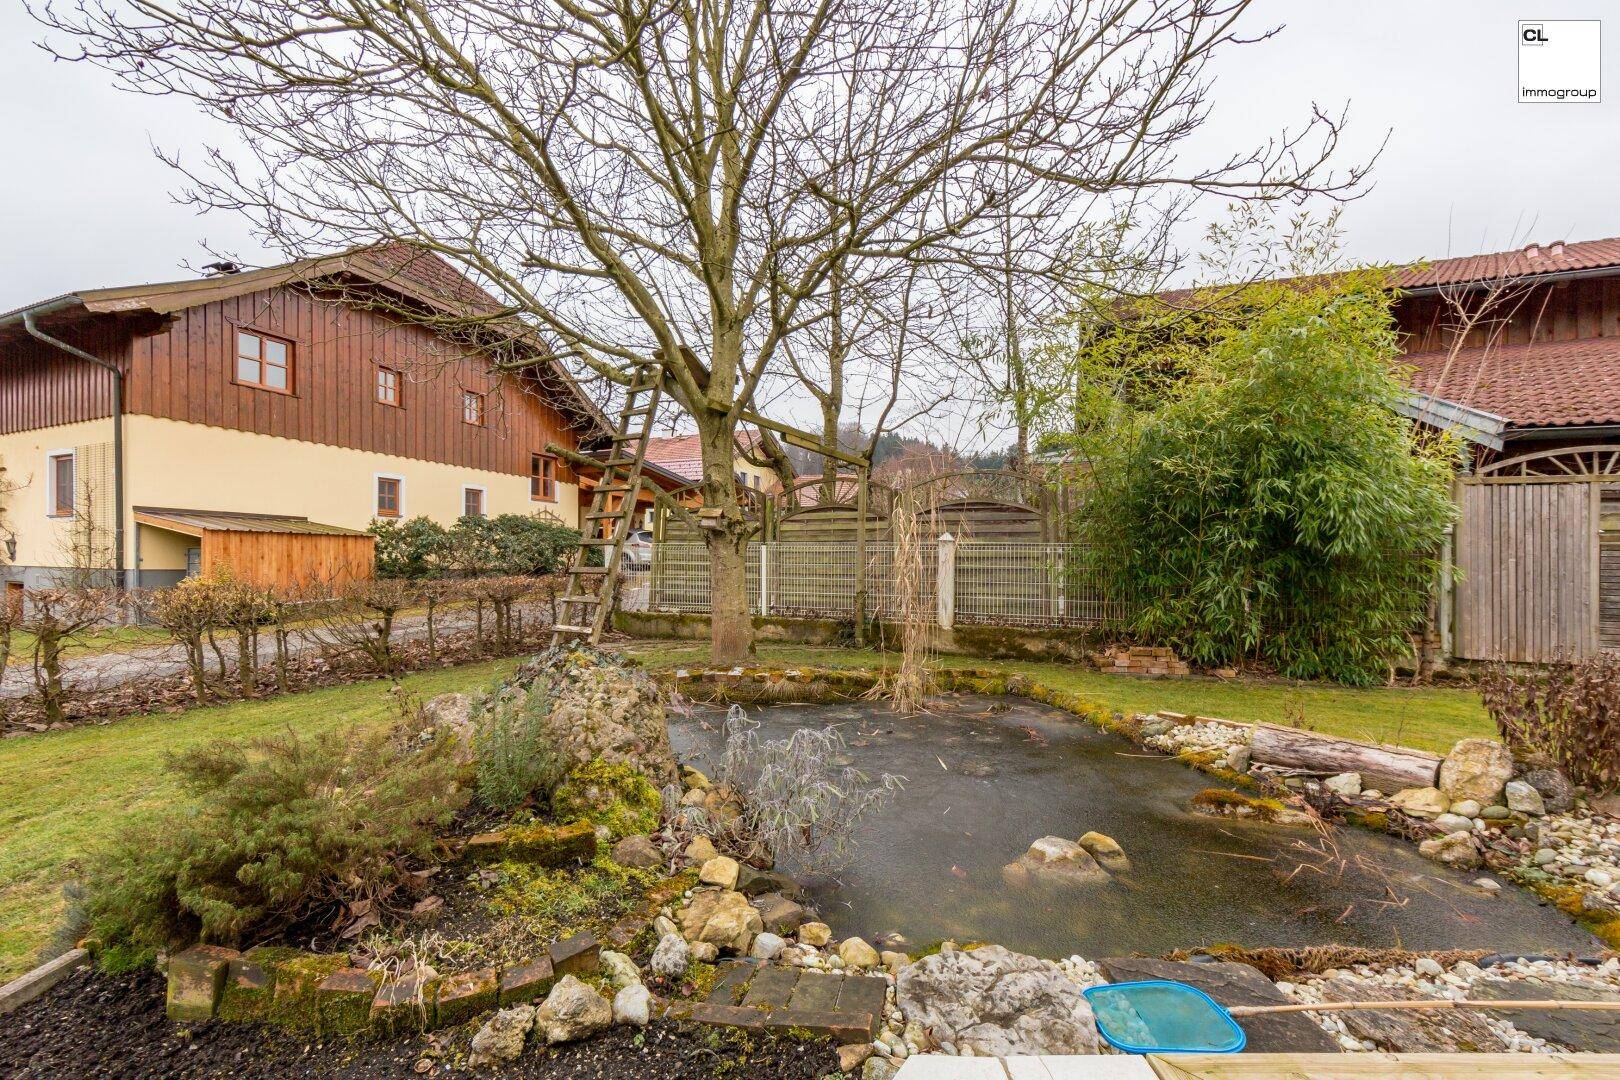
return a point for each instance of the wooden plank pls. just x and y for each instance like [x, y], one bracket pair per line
[1381, 1066]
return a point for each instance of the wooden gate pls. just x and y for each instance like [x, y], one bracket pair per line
[1538, 580]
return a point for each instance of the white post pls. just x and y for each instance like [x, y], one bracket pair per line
[946, 582]
[764, 578]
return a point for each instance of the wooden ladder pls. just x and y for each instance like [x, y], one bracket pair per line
[583, 610]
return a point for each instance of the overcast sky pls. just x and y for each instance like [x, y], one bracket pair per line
[1466, 167]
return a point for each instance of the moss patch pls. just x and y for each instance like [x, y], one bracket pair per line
[617, 797]
[294, 1003]
[1223, 803]
[554, 903]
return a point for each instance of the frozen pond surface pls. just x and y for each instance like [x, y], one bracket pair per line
[986, 776]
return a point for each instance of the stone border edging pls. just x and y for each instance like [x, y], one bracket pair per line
[30, 985]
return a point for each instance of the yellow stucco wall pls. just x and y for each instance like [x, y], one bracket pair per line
[41, 539]
[170, 463]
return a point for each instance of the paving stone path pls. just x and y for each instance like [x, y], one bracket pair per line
[755, 995]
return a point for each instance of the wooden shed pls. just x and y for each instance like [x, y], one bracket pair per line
[268, 549]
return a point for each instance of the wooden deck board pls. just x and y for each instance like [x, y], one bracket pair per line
[1368, 1066]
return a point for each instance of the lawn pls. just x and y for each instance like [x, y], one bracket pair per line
[62, 792]
[1431, 718]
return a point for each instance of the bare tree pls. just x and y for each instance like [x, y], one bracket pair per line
[675, 182]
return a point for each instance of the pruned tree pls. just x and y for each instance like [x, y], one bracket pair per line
[676, 182]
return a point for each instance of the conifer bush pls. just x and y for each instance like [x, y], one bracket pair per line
[274, 831]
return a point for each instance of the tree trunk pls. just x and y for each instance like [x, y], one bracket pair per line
[731, 631]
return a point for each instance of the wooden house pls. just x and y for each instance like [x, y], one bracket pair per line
[262, 420]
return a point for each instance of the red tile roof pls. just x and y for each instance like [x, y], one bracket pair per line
[1549, 258]
[1543, 384]
[683, 454]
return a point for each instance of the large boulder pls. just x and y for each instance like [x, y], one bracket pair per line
[501, 1038]
[593, 706]
[1476, 769]
[671, 957]
[1557, 793]
[994, 1002]
[1456, 850]
[572, 1011]
[1053, 860]
[1421, 802]
[721, 918]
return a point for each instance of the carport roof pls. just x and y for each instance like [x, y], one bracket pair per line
[196, 522]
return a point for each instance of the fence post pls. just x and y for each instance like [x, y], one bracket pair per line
[945, 584]
[764, 578]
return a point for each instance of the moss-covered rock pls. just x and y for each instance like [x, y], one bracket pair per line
[1218, 802]
[618, 797]
[251, 982]
[294, 1002]
[535, 845]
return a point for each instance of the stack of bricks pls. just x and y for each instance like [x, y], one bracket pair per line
[1142, 660]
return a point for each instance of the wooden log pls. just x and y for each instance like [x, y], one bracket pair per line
[1385, 768]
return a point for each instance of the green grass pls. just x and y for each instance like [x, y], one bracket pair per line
[113, 638]
[1430, 718]
[63, 792]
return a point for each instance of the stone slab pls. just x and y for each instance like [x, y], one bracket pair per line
[863, 993]
[1590, 1032]
[1385, 1066]
[945, 1067]
[1234, 984]
[577, 955]
[771, 988]
[842, 1026]
[1412, 1032]
[729, 988]
[526, 982]
[816, 992]
[1078, 1067]
[196, 980]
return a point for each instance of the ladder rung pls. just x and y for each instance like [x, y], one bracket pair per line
[629, 437]
[581, 600]
[593, 571]
[597, 541]
[604, 514]
[639, 410]
[618, 463]
[614, 489]
[564, 628]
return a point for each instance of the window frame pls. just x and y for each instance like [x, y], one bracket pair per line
[468, 397]
[538, 479]
[290, 390]
[483, 500]
[376, 495]
[381, 369]
[52, 494]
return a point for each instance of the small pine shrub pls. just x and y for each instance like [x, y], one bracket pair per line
[274, 830]
[516, 761]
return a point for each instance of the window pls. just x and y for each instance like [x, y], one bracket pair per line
[390, 496]
[472, 408]
[61, 482]
[388, 382]
[472, 501]
[263, 362]
[543, 477]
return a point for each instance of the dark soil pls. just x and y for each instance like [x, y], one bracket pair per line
[99, 1026]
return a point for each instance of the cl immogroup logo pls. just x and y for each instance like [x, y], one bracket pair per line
[1560, 60]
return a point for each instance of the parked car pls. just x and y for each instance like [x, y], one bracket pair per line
[637, 551]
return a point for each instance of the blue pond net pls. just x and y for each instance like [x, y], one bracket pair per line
[1161, 1017]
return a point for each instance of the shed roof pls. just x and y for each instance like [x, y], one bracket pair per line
[1541, 384]
[196, 522]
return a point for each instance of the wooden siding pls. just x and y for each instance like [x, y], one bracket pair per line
[184, 372]
[40, 386]
[1609, 571]
[287, 559]
[1526, 563]
[1562, 311]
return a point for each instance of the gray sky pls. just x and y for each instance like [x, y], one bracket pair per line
[1466, 169]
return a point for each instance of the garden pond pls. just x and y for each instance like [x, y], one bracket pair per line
[987, 776]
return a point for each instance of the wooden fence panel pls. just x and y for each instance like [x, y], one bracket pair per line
[1527, 559]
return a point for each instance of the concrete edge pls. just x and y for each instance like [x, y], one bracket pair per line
[25, 988]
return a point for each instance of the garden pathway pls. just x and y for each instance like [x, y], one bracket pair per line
[90, 673]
